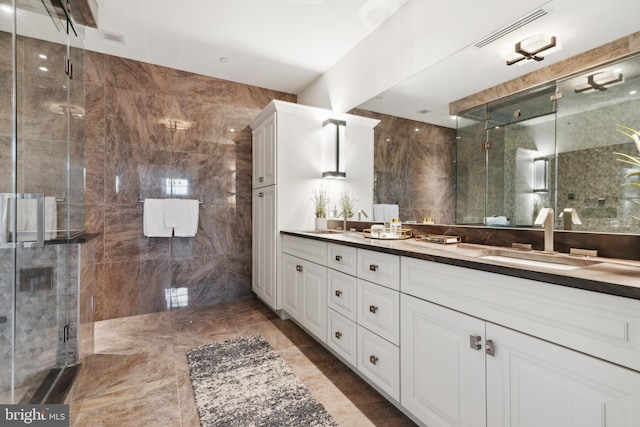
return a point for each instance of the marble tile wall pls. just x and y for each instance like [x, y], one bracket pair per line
[414, 168]
[129, 153]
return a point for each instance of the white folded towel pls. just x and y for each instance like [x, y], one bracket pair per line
[384, 212]
[391, 211]
[153, 219]
[27, 219]
[378, 212]
[182, 215]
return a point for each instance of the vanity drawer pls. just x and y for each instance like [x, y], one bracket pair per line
[378, 310]
[379, 361]
[342, 293]
[342, 258]
[341, 336]
[309, 249]
[380, 268]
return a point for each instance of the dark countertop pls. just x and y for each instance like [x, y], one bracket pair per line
[606, 275]
[73, 237]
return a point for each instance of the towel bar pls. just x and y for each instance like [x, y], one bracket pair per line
[141, 200]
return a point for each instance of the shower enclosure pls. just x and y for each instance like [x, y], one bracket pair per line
[41, 194]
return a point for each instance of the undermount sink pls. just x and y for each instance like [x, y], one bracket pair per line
[537, 259]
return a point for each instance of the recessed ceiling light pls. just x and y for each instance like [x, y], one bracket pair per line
[224, 59]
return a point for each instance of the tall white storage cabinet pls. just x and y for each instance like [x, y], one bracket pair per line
[287, 169]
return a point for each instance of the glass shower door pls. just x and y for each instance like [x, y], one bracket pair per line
[36, 137]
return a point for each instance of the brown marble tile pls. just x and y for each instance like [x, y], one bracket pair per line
[123, 294]
[123, 237]
[204, 279]
[207, 175]
[136, 76]
[207, 123]
[213, 237]
[94, 68]
[185, 84]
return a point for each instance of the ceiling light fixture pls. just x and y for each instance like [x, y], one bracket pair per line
[333, 129]
[531, 48]
[600, 81]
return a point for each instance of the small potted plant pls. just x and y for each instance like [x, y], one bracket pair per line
[321, 201]
[347, 203]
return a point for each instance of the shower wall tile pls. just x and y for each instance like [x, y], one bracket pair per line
[123, 237]
[130, 152]
[131, 288]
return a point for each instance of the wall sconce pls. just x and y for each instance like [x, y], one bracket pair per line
[600, 81]
[530, 48]
[333, 133]
[540, 175]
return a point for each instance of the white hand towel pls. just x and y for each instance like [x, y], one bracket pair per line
[182, 215]
[27, 220]
[391, 211]
[153, 219]
[378, 212]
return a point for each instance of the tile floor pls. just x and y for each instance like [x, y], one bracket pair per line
[139, 376]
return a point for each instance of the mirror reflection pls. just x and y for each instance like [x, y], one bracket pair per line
[557, 146]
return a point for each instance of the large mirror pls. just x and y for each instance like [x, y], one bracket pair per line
[560, 146]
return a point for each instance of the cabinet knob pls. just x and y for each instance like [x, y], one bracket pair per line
[373, 267]
[373, 360]
[338, 334]
[490, 348]
[338, 293]
[373, 308]
[298, 268]
[261, 179]
[260, 194]
[338, 257]
[474, 342]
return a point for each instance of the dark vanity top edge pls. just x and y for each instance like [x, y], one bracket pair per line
[75, 237]
[563, 279]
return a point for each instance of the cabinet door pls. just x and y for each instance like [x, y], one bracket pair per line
[314, 310]
[378, 309]
[532, 383]
[264, 245]
[264, 153]
[442, 376]
[292, 280]
[341, 294]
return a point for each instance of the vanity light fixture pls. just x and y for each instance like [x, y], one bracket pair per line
[531, 48]
[540, 175]
[600, 81]
[333, 131]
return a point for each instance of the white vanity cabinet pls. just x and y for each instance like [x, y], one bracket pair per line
[463, 370]
[264, 152]
[305, 284]
[287, 142]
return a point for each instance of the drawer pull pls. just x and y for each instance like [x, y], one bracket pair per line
[373, 308]
[373, 360]
[373, 267]
[490, 348]
[338, 293]
[261, 179]
[298, 268]
[260, 194]
[474, 342]
[338, 257]
[338, 334]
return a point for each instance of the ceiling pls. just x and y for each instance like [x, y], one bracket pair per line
[287, 45]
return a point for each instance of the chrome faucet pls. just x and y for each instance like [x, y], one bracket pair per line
[360, 213]
[570, 217]
[344, 220]
[545, 218]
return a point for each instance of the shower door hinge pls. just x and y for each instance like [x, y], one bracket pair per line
[65, 333]
[68, 67]
[486, 145]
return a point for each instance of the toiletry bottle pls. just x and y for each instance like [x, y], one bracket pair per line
[396, 226]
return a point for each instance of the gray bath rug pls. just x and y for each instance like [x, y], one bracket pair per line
[244, 382]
